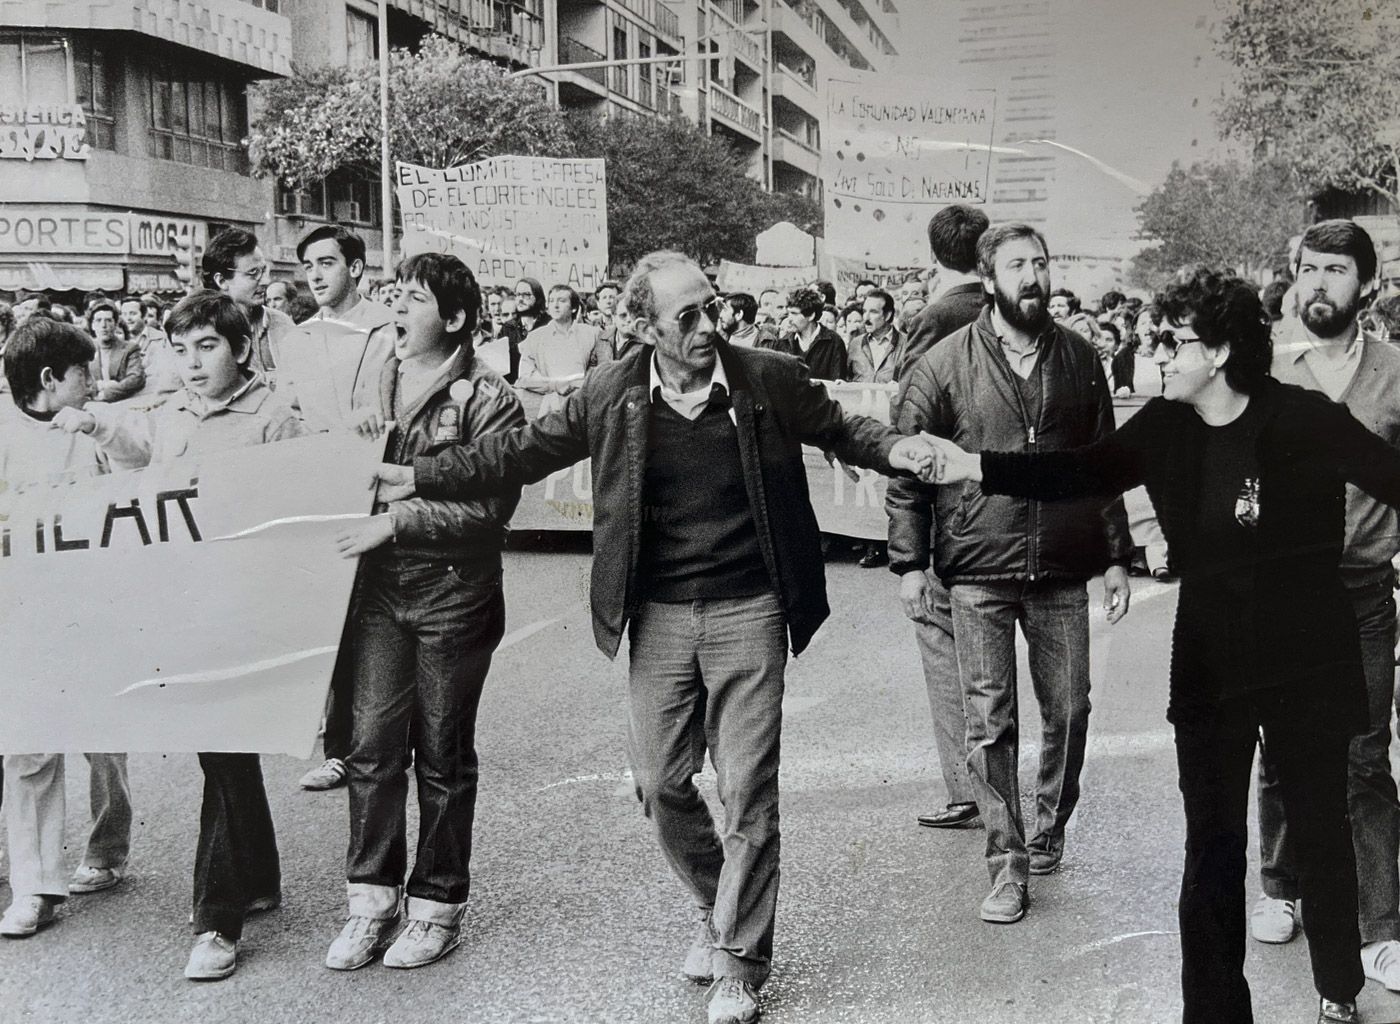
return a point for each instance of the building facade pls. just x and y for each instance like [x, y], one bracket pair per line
[107, 106]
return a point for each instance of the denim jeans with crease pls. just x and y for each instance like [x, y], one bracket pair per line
[708, 674]
[421, 643]
[1371, 795]
[1054, 616]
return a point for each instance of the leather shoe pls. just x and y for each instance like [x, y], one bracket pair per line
[1046, 852]
[1329, 1012]
[953, 816]
[875, 556]
[1006, 904]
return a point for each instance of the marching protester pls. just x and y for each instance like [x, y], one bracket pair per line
[1248, 476]
[499, 335]
[427, 617]
[1336, 273]
[554, 357]
[358, 339]
[726, 571]
[821, 349]
[529, 304]
[117, 368]
[1012, 379]
[225, 404]
[234, 264]
[873, 355]
[47, 365]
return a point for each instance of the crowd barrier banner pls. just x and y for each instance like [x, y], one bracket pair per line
[194, 605]
[511, 217]
[846, 273]
[896, 149]
[855, 508]
[741, 277]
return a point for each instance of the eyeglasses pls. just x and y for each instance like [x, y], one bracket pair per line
[689, 318]
[1172, 345]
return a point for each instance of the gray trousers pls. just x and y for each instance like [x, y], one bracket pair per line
[945, 693]
[1371, 795]
[708, 674]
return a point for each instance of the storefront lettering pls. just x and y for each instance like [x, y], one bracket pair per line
[43, 131]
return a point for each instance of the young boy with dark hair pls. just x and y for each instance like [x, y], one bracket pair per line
[224, 405]
[47, 366]
[428, 615]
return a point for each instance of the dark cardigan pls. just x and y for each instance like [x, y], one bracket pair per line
[1309, 448]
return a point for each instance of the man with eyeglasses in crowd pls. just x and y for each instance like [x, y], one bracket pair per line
[724, 572]
[234, 264]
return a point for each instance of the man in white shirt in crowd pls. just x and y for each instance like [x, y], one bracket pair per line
[555, 355]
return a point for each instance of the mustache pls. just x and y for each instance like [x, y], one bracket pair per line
[1031, 291]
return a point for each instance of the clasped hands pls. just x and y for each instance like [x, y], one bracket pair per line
[935, 460]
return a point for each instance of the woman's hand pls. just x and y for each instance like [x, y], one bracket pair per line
[952, 464]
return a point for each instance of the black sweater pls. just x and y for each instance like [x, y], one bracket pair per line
[1309, 448]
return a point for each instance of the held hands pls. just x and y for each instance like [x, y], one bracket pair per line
[951, 464]
[365, 535]
[73, 421]
[916, 455]
[395, 483]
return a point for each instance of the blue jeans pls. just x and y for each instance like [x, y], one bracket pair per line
[422, 639]
[709, 674]
[1054, 616]
[1371, 795]
[945, 694]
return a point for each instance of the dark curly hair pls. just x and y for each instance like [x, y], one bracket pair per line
[1223, 310]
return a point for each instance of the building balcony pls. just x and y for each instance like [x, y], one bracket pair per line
[746, 44]
[571, 51]
[730, 110]
[512, 31]
[660, 17]
[794, 87]
[234, 30]
[789, 149]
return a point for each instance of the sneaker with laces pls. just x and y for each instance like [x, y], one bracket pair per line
[422, 943]
[1006, 904]
[733, 1001]
[699, 965]
[1381, 962]
[27, 914]
[1329, 1012]
[359, 942]
[88, 879]
[329, 774]
[214, 956]
[1274, 921]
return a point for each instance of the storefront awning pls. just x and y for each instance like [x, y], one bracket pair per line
[40, 275]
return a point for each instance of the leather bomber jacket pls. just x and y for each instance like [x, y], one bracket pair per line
[964, 389]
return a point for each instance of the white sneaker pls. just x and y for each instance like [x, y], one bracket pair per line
[1274, 921]
[1381, 962]
[329, 774]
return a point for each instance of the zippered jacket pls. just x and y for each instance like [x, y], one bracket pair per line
[964, 389]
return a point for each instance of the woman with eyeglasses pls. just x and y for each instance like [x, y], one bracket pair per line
[529, 304]
[1248, 479]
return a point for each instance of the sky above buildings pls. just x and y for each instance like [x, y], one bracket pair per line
[1133, 87]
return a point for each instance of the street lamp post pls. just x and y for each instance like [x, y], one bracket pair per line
[386, 195]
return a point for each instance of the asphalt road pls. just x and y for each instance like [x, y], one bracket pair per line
[575, 917]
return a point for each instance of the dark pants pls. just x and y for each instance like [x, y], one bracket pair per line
[1371, 796]
[709, 674]
[235, 861]
[339, 701]
[421, 644]
[1215, 754]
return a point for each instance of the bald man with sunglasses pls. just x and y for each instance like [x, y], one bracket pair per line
[708, 555]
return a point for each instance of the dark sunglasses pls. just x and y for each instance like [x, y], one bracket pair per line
[1171, 344]
[689, 318]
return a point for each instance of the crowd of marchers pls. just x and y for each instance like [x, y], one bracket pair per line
[1267, 459]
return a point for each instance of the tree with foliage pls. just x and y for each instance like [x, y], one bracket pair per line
[1223, 214]
[1318, 88]
[672, 186]
[446, 107]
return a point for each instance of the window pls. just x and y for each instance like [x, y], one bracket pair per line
[33, 69]
[196, 120]
[361, 38]
[94, 87]
[347, 197]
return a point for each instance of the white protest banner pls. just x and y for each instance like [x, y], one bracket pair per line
[741, 277]
[898, 148]
[846, 273]
[511, 217]
[194, 605]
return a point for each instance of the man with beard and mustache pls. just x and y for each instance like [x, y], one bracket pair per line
[1336, 274]
[1013, 380]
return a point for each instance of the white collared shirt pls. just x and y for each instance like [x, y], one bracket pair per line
[690, 403]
